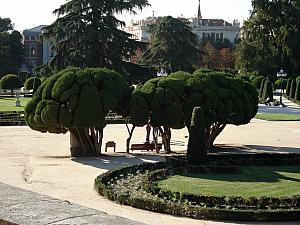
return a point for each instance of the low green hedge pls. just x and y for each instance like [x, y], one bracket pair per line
[134, 186]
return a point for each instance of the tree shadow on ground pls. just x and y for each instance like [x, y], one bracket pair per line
[255, 174]
[250, 149]
[109, 162]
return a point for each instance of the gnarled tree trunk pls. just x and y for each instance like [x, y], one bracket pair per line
[130, 132]
[166, 138]
[85, 141]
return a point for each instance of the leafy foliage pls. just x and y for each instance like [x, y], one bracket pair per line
[172, 47]
[32, 83]
[88, 34]
[75, 98]
[271, 38]
[11, 48]
[10, 81]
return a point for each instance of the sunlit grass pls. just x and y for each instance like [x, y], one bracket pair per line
[9, 104]
[278, 117]
[281, 181]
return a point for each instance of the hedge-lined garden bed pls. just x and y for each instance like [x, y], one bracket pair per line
[137, 186]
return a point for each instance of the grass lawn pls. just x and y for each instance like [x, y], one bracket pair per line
[279, 181]
[9, 104]
[278, 117]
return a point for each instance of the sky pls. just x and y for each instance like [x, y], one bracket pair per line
[30, 13]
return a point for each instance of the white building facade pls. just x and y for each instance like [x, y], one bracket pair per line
[216, 29]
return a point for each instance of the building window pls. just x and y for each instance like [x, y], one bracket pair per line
[213, 36]
[221, 36]
[32, 38]
[33, 52]
[26, 38]
[217, 36]
[203, 35]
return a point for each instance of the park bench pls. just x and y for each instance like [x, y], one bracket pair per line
[145, 146]
[111, 144]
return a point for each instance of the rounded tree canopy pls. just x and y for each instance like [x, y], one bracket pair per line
[10, 81]
[32, 83]
[170, 101]
[75, 98]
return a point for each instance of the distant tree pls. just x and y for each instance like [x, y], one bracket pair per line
[10, 81]
[270, 38]
[32, 83]
[11, 48]
[211, 58]
[173, 46]
[77, 100]
[87, 34]
[227, 58]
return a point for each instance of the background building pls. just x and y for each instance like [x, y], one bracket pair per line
[215, 29]
[38, 50]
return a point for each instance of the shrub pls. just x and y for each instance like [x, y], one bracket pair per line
[267, 95]
[32, 83]
[196, 147]
[256, 82]
[10, 81]
[292, 89]
[262, 86]
[297, 93]
[288, 87]
[280, 84]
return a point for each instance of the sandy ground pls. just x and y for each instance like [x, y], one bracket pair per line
[41, 163]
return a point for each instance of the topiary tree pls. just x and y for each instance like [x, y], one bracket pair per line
[256, 82]
[261, 89]
[223, 99]
[158, 101]
[195, 152]
[77, 100]
[267, 93]
[10, 81]
[292, 90]
[170, 102]
[32, 83]
[297, 92]
[288, 87]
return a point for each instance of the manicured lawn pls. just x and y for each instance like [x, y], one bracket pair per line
[280, 181]
[278, 117]
[9, 104]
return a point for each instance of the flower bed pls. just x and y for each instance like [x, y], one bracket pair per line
[136, 186]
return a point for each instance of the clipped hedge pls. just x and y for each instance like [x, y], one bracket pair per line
[133, 185]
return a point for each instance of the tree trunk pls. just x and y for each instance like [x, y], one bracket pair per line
[166, 138]
[130, 132]
[213, 134]
[85, 141]
[155, 138]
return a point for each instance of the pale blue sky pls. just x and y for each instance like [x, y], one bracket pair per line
[30, 13]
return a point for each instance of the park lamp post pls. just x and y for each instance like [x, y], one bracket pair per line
[162, 73]
[281, 74]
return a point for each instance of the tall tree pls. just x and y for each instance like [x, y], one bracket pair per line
[173, 46]
[11, 48]
[271, 37]
[87, 34]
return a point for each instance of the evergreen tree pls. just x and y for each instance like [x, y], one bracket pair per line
[87, 34]
[173, 46]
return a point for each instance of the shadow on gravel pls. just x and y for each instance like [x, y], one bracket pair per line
[273, 149]
[109, 162]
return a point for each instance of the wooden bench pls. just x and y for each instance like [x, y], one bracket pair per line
[145, 146]
[111, 144]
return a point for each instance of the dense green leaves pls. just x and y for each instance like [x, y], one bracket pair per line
[88, 34]
[32, 83]
[75, 98]
[11, 48]
[271, 38]
[173, 46]
[10, 81]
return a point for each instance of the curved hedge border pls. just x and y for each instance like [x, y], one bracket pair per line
[138, 191]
